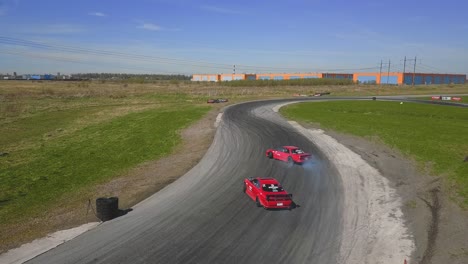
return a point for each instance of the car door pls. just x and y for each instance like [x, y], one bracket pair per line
[255, 188]
[276, 153]
[252, 188]
[280, 153]
[285, 155]
[292, 154]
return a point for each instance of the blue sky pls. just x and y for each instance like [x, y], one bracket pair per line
[182, 36]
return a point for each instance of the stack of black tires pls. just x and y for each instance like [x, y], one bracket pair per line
[107, 208]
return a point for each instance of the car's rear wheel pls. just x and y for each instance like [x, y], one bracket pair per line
[290, 160]
[257, 201]
[292, 206]
[244, 188]
[270, 155]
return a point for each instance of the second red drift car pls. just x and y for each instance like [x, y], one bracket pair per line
[290, 154]
[268, 193]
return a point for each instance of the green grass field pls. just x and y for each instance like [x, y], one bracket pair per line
[430, 134]
[62, 139]
[32, 178]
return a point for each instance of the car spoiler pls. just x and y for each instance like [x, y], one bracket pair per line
[279, 197]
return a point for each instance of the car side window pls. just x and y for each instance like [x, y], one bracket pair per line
[255, 182]
[285, 150]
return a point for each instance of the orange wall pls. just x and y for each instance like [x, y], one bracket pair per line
[232, 75]
[207, 76]
[286, 76]
[302, 75]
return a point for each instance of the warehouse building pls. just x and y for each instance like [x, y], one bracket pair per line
[409, 78]
[286, 76]
[236, 77]
[391, 78]
[348, 76]
[205, 77]
[378, 78]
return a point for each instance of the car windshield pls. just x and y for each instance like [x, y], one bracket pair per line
[298, 151]
[272, 188]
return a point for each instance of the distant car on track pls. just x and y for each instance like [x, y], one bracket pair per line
[268, 193]
[289, 154]
[321, 94]
[215, 101]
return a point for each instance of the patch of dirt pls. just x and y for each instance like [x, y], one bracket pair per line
[148, 178]
[438, 224]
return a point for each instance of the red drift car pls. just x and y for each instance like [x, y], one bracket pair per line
[267, 192]
[290, 154]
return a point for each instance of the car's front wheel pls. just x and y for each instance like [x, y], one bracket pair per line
[244, 189]
[257, 201]
[270, 155]
[290, 160]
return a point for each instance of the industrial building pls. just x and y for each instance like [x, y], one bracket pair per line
[391, 78]
[409, 78]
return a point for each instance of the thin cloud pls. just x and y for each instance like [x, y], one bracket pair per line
[98, 14]
[221, 10]
[154, 27]
[150, 26]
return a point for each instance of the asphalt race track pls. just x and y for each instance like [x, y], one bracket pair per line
[204, 217]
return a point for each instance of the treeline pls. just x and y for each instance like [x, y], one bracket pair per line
[130, 77]
[295, 82]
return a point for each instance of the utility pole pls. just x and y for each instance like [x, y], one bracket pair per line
[413, 81]
[404, 66]
[388, 71]
[234, 69]
[380, 73]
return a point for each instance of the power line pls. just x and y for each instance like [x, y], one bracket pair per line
[153, 59]
[109, 54]
[36, 44]
[431, 67]
[65, 59]
[130, 56]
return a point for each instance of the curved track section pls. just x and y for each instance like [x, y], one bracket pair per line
[204, 217]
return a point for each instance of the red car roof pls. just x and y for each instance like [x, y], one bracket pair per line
[290, 147]
[268, 181]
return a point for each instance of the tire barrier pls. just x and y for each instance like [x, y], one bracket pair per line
[107, 208]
